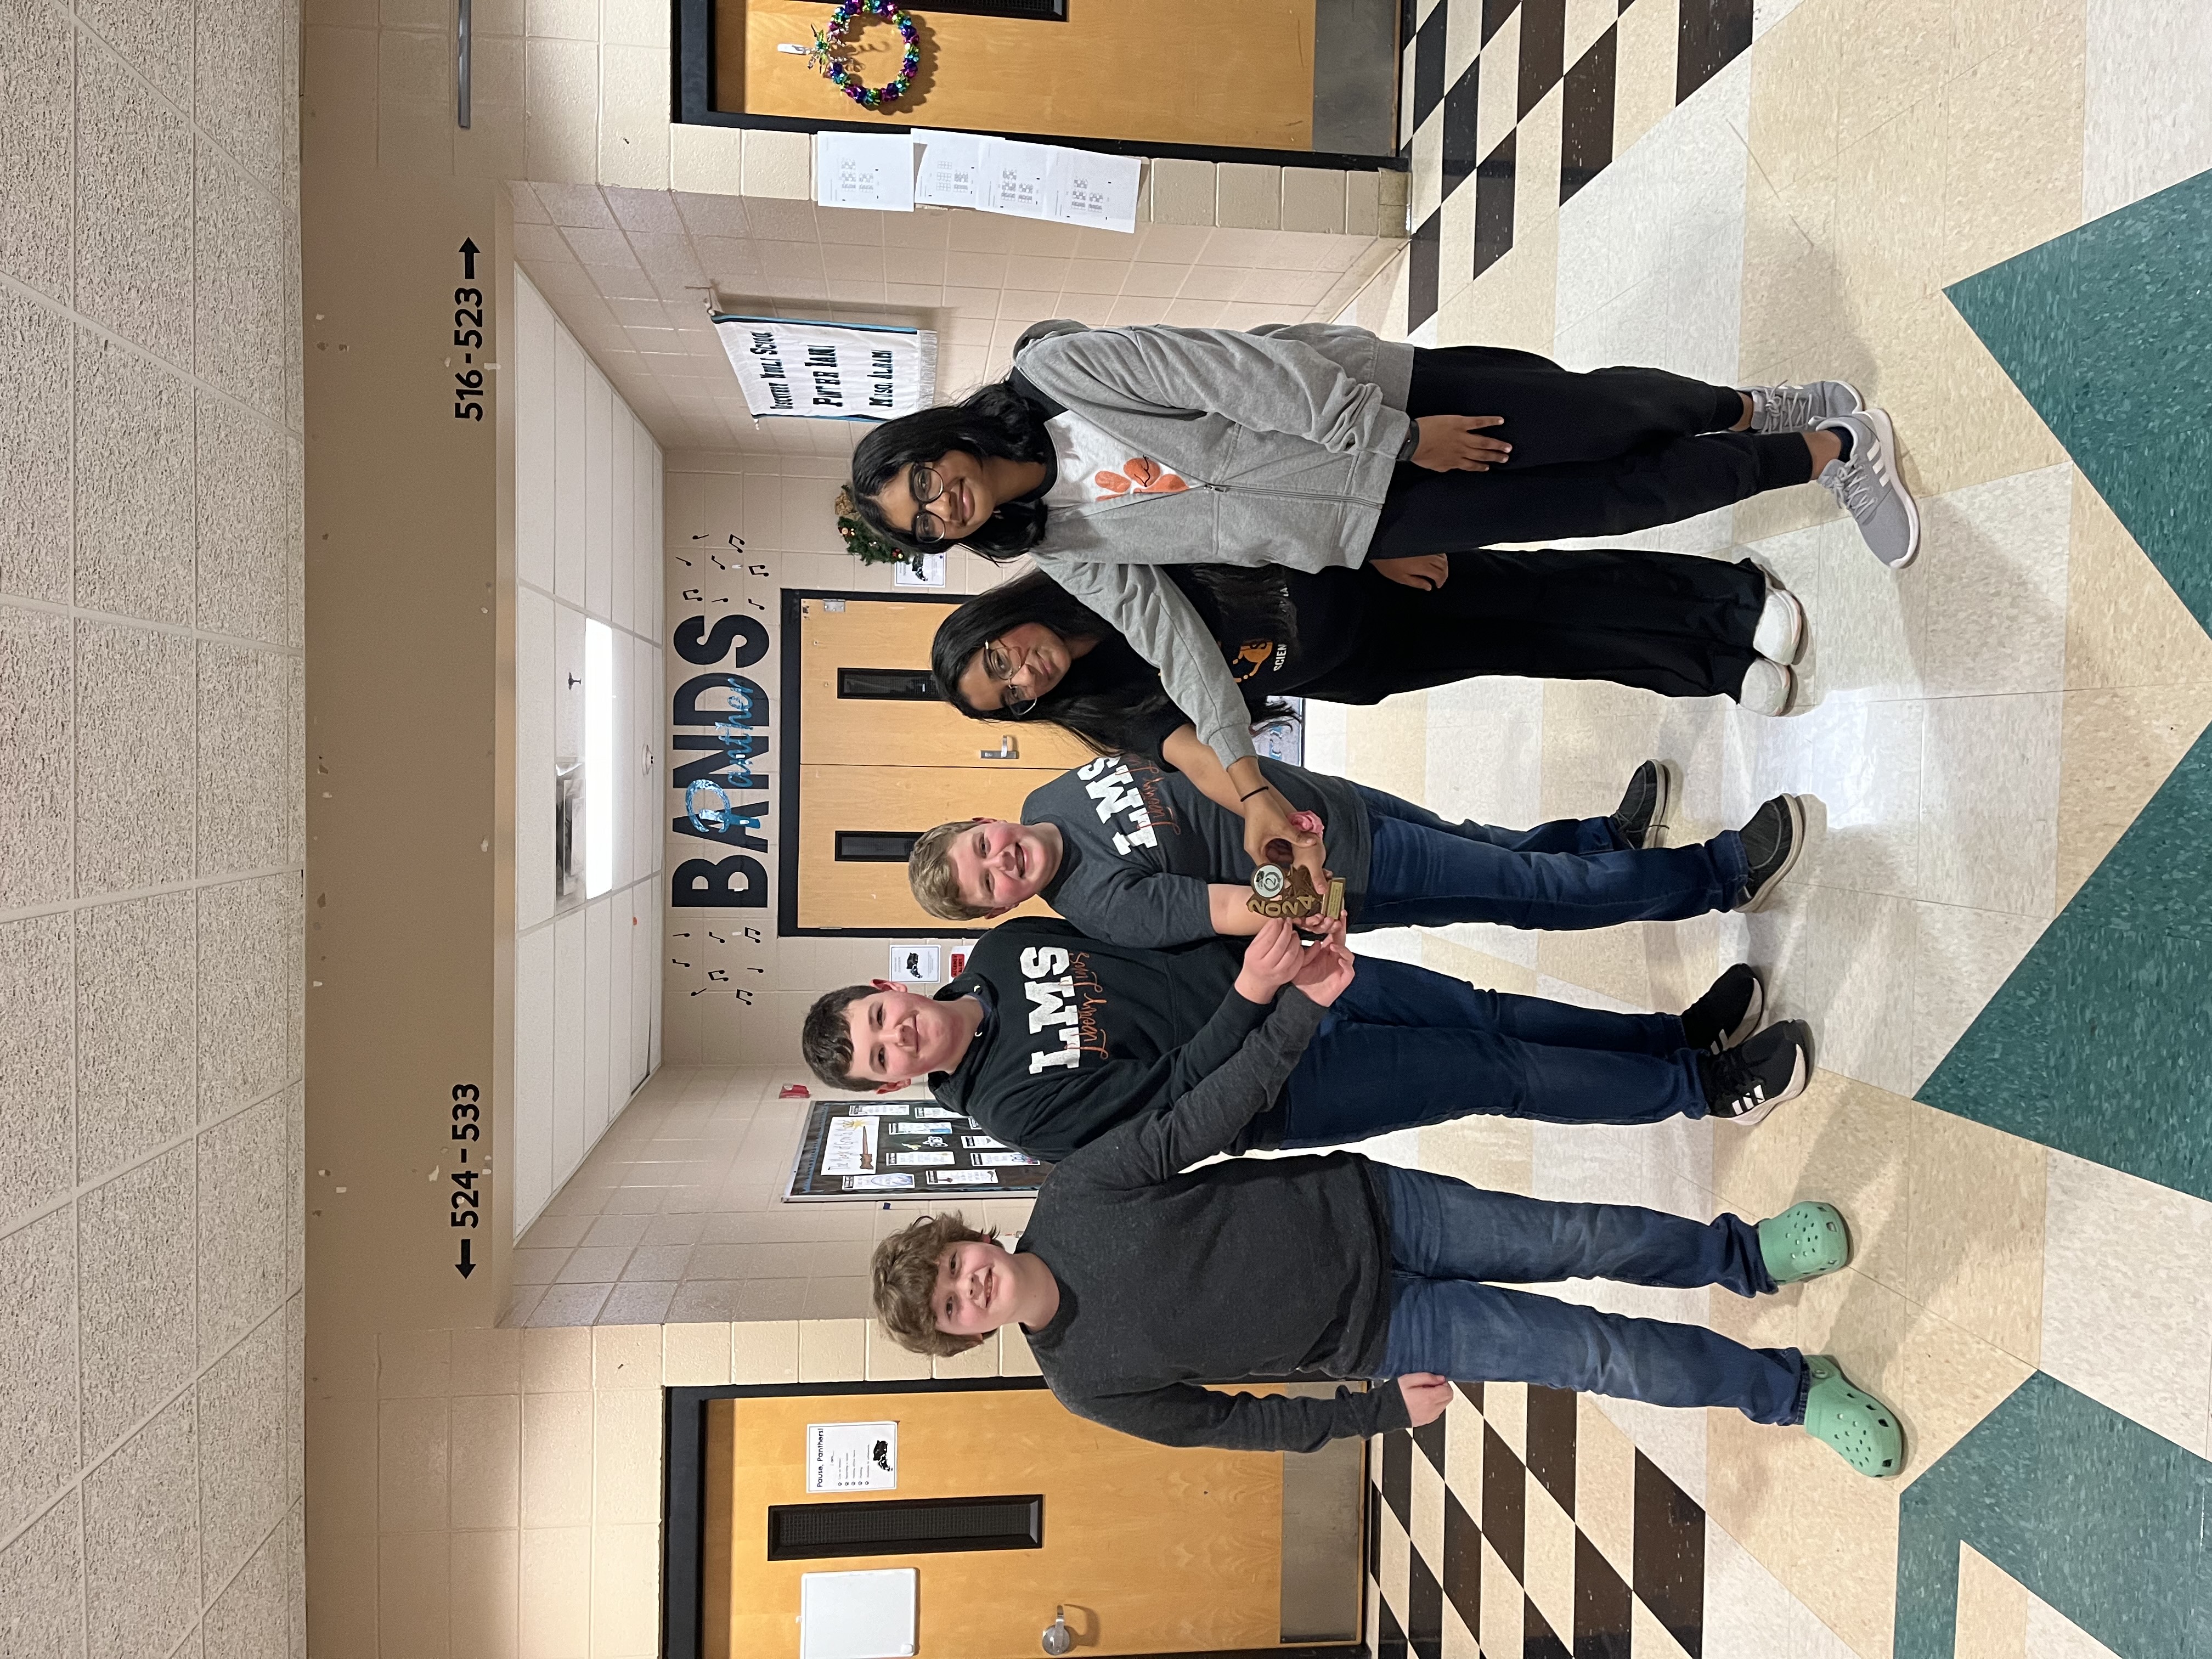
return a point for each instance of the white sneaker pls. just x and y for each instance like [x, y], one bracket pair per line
[1769, 688]
[1781, 634]
[1801, 408]
[1870, 489]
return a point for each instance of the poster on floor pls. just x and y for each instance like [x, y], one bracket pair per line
[873, 1149]
[829, 371]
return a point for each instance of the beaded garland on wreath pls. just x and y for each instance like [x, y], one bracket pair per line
[830, 43]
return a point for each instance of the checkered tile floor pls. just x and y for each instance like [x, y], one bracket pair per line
[1489, 1534]
[1459, 114]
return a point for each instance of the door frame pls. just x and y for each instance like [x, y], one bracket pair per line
[684, 1501]
[693, 98]
[789, 729]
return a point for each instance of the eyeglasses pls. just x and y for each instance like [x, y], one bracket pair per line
[926, 486]
[1000, 669]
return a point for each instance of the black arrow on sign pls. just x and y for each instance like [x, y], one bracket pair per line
[465, 1266]
[469, 254]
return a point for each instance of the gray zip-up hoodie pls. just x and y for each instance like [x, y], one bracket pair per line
[1288, 436]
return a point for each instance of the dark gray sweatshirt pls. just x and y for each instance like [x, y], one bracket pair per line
[1252, 1267]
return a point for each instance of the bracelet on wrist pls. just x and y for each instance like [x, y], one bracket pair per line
[1249, 794]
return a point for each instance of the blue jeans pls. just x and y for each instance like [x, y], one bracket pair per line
[1571, 873]
[1446, 1237]
[1406, 1046]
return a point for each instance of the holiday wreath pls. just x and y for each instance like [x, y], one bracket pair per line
[830, 44]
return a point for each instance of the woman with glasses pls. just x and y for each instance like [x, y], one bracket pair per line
[1112, 457]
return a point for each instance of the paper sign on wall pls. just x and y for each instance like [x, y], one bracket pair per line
[1014, 179]
[949, 170]
[829, 371]
[851, 1457]
[1089, 189]
[864, 170]
[850, 1148]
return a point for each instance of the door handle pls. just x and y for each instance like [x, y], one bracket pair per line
[1005, 750]
[1059, 1638]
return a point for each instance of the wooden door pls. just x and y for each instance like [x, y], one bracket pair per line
[1151, 1549]
[874, 765]
[1228, 72]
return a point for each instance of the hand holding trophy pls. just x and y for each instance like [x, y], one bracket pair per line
[1281, 890]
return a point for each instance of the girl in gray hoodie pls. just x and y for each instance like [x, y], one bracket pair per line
[1109, 454]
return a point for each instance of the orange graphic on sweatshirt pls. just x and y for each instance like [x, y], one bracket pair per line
[1143, 476]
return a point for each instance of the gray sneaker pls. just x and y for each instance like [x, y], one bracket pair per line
[1871, 489]
[1801, 408]
[1644, 804]
[1771, 842]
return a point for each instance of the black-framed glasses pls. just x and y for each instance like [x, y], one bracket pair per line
[926, 484]
[999, 669]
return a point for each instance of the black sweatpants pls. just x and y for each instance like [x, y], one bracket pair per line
[1669, 622]
[1593, 454]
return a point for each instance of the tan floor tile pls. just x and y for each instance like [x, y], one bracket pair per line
[1547, 1560]
[1947, 1381]
[1885, 64]
[1752, 1472]
[1976, 1251]
[1846, 1552]
[1536, 166]
[2012, 153]
[1497, 95]
[1456, 266]
[1648, 1637]
[1476, 967]
[1459, 1640]
[1992, 1611]
[1794, 68]
[1505, 1409]
[1487, 1151]
[1513, 302]
[1856, 1153]
[1644, 85]
[1501, 1605]
[1959, 418]
[1610, 960]
[1981, 27]
[1605, 1486]
[1888, 226]
[2118, 748]
[1791, 296]
[1427, 1532]
[2124, 625]
[1387, 746]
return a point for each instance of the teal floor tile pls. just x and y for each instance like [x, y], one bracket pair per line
[2104, 1520]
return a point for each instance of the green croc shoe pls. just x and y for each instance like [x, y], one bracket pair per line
[1864, 1432]
[1805, 1241]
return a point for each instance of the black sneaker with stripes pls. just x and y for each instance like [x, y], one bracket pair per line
[1745, 1082]
[1727, 1014]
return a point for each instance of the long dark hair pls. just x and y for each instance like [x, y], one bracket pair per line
[993, 421]
[1111, 700]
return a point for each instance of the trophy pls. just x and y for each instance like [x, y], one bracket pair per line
[1283, 891]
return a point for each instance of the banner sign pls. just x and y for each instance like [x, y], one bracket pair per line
[880, 1149]
[830, 371]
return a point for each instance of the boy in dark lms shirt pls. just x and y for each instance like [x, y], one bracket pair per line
[1137, 854]
[1049, 1039]
[1137, 1284]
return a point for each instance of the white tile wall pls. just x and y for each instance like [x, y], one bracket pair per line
[588, 533]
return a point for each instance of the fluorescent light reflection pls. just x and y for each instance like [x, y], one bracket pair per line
[598, 758]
